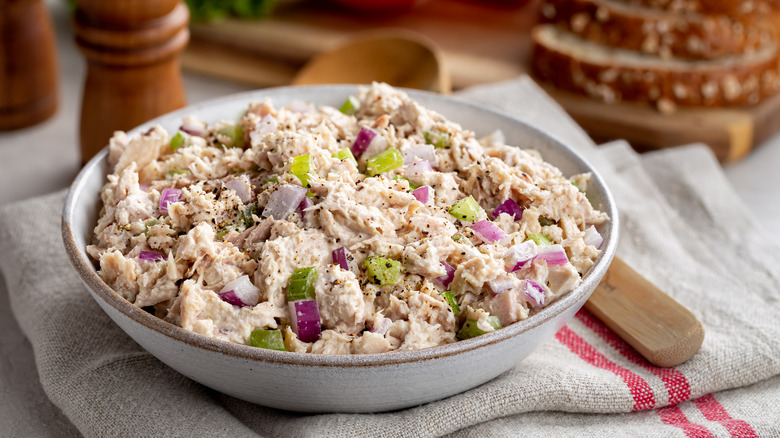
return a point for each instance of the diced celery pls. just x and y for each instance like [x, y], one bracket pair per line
[543, 221]
[345, 154]
[149, 224]
[574, 183]
[384, 161]
[411, 184]
[246, 215]
[228, 228]
[300, 167]
[236, 135]
[268, 339]
[383, 271]
[351, 106]
[539, 239]
[301, 285]
[270, 180]
[460, 238]
[172, 173]
[471, 330]
[438, 139]
[450, 299]
[222, 233]
[466, 209]
[177, 141]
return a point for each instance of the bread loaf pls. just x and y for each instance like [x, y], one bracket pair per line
[572, 63]
[633, 25]
[727, 7]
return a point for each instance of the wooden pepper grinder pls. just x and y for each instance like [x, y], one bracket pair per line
[133, 73]
[28, 64]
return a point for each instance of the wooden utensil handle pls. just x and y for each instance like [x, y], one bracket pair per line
[658, 327]
[133, 73]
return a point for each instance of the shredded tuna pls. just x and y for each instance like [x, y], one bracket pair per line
[218, 232]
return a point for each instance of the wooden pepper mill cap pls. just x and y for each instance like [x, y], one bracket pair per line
[126, 42]
[125, 13]
[28, 64]
[133, 74]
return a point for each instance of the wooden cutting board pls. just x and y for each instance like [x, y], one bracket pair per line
[480, 43]
[731, 133]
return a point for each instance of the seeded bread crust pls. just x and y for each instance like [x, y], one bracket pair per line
[729, 7]
[668, 35]
[613, 75]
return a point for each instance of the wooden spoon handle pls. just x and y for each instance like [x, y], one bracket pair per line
[658, 327]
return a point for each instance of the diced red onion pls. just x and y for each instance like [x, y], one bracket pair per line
[449, 274]
[305, 319]
[344, 258]
[306, 202]
[144, 187]
[382, 327]
[509, 207]
[422, 151]
[240, 292]
[300, 106]
[501, 285]
[150, 256]
[592, 237]
[497, 138]
[417, 169]
[363, 139]
[518, 255]
[242, 187]
[267, 125]
[534, 292]
[284, 200]
[423, 194]
[552, 254]
[519, 265]
[488, 231]
[231, 298]
[193, 126]
[168, 197]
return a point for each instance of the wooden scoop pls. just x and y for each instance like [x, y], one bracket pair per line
[657, 326]
[398, 57]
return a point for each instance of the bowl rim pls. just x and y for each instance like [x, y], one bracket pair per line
[100, 290]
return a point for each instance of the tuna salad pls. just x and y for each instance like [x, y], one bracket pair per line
[374, 227]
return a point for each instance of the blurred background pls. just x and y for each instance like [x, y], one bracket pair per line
[100, 80]
[481, 41]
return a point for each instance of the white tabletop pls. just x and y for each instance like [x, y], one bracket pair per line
[45, 158]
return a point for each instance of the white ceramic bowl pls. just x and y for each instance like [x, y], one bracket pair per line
[339, 383]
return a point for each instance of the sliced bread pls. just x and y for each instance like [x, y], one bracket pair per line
[666, 34]
[574, 64]
[729, 7]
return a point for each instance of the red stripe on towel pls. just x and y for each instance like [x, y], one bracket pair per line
[674, 381]
[674, 416]
[712, 410]
[640, 390]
